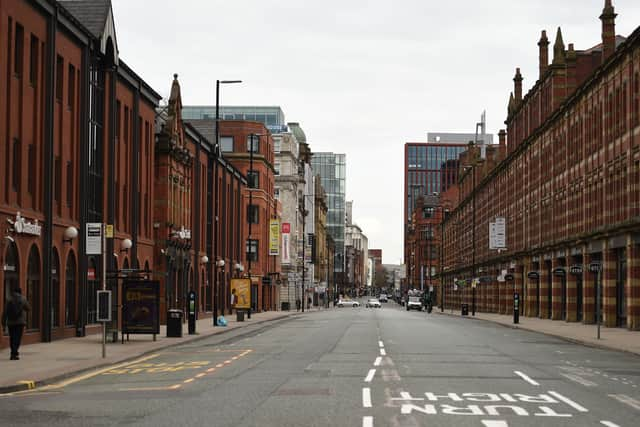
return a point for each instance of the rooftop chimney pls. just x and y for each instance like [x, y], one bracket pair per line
[544, 52]
[517, 87]
[608, 19]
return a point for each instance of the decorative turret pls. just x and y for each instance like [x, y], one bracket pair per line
[512, 104]
[517, 86]
[558, 49]
[544, 53]
[608, 19]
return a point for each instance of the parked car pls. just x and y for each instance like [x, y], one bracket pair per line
[383, 298]
[373, 302]
[414, 303]
[348, 303]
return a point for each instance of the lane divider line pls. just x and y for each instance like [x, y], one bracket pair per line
[628, 400]
[494, 423]
[380, 343]
[609, 424]
[370, 375]
[568, 401]
[526, 378]
[366, 397]
[189, 380]
[377, 361]
[367, 421]
[383, 352]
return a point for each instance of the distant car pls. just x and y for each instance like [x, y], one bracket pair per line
[414, 303]
[372, 302]
[348, 303]
[383, 298]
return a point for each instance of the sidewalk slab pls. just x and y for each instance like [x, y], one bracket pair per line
[618, 339]
[47, 363]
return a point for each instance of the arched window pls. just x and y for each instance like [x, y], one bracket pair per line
[70, 290]
[34, 289]
[11, 270]
[55, 289]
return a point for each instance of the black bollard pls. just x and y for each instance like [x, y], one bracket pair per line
[516, 308]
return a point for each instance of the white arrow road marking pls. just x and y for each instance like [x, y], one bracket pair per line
[569, 402]
[526, 378]
[579, 380]
[627, 400]
[609, 424]
[367, 421]
[378, 361]
[370, 375]
[492, 423]
[366, 397]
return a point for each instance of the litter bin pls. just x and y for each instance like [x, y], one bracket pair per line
[465, 309]
[240, 315]
[174, 323]
[285, 306]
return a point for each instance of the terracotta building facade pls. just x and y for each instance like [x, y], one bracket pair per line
[566, 179]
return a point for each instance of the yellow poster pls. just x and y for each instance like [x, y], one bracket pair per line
[241, 293]
[274, 237]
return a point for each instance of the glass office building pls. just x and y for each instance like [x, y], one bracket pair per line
[332, 169]
[271, 117]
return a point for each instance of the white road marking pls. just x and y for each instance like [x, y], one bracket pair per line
[609, 424]
[526, 378]
[569, 402]
[626, 400]
[496, 423]
[380, 343]
[383, 352]
[579, 380]
[367, 421]
[378, 361]
[370, 375]
[366, 397]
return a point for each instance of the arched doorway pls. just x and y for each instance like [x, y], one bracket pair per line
[34, 288]
[55, 289]
[70, 293]
[11, 270]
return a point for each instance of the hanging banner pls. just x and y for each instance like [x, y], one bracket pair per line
[274, 237]
[286, 237]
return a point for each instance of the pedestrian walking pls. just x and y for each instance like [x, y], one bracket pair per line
[14, 317]
[309, 303]
[298, 304]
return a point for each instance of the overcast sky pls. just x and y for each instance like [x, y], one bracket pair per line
[362, 77]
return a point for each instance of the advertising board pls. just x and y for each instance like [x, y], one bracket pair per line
[241, 293]
[141, 307]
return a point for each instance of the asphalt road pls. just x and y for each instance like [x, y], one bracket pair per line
[351, 367]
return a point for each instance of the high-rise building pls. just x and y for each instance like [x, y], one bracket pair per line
[332, 169]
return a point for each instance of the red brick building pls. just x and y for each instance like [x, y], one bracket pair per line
[185, 201]
[567, 182]
[76, 141]
[235, 142]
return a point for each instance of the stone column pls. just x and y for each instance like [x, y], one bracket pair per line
[530, 289]
[556, 292]
[633, 285]
[609, 287]
[544, 291]
[588, 290]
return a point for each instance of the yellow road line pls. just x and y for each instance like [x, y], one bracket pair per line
[188, 381]
[30, 384]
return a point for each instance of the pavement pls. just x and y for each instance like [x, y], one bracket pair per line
[46, 363]
[619, 339]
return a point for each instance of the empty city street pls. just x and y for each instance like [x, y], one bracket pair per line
[351, 367]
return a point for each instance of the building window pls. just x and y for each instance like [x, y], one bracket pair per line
[31, 181]
[69, 184]
[253, 179]
[17, 169]
[58, 179]
[252, 214]
[72, 87]
[59, 77]
[252, 250]
[276, 167]
[276, 193]
[256, 143]
[226, 144]
[277, 145]
[18, 58]
[33, 61]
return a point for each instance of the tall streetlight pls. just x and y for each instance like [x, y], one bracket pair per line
[213, 216]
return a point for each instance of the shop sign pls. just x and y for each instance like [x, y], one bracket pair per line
[575, 269]
[91, 273]
[22, 226]
[508, 276]
[533, 275]
[559, 271]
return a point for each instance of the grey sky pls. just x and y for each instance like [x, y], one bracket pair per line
[361, 77]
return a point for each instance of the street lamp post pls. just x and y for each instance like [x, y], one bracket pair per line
[213, 216]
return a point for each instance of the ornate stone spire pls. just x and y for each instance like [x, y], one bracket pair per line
[558, 49]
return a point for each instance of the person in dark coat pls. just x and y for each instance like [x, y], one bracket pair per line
[15, 319]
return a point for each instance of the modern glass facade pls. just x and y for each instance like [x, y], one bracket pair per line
[271, 117]
[332, 169]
